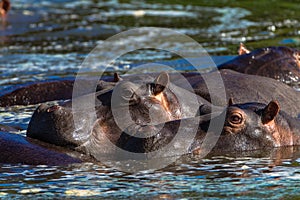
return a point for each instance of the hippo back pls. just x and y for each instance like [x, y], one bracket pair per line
[280, 63]
[18, 149]
[247, 88]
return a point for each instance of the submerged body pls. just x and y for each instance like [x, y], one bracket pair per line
[247, 127]
[18, 149]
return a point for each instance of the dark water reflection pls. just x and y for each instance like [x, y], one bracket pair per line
[45, 40]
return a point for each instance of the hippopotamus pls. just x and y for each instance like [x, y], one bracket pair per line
[280, 63]
[53, 124]
[40, 92]
[252, 126]
[17, 149]
[244, 88]
[150, 103]
[246, 127]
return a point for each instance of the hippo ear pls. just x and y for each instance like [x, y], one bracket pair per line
[243, 50]
[270, 112]
[160, 83]
[230, 101]
[117, 78]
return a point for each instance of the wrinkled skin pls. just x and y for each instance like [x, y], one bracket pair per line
[280, 63]
[247, 127]
[53, 124]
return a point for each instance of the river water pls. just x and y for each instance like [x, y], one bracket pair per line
[49, 40]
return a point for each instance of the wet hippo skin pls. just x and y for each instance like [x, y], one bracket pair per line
[280, 63]
[54, 124]
[20, 150]
[247, 127]
[251, 126]
[245, 88]
[51, 90]
[38, 93]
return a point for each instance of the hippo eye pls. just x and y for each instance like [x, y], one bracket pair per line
[236, 118]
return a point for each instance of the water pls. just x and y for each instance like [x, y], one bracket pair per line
[271, 176]
[48, 40]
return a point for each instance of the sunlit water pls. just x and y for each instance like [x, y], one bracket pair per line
[46, 40]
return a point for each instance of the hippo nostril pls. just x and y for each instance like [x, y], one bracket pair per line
[53, 108]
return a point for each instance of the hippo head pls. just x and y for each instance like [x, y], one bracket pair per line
[126, 104]
[145, 103]
[253, 126]
[133, 104]
[244, 127]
